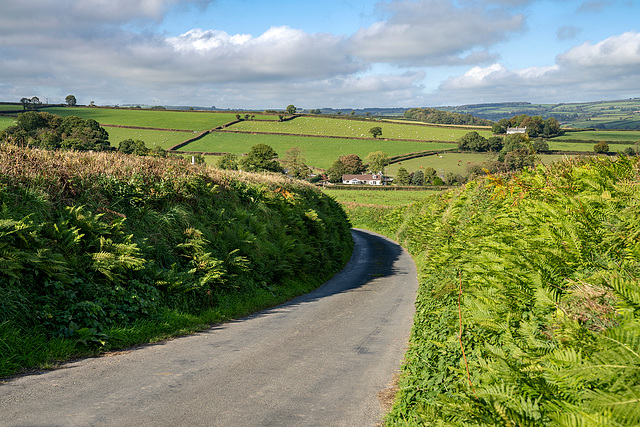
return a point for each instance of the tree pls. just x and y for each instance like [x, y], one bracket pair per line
[473, 141]
[291, 109]
[137, 147]
[229, 161]
[402, 178]
[261, 157]
[70, 100]
[497, 129]
[375, 131]
[418, 178]
[601, 147]
[377, 161]
[429, 175]
[294, 163]
[351, 164]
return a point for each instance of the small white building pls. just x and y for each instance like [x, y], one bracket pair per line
[367, 179]
[516, 130]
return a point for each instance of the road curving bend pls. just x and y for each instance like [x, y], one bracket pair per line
[320, 359]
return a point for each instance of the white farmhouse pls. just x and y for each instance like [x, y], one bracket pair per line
[369, 179]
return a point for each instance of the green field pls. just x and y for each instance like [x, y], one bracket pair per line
[601, 135]
[377, 198]
[187, 120]
[584, 146]
[152, 138]
[5, 122]
[319, 152]
[356, 129]
[455, 162]
[5, 107]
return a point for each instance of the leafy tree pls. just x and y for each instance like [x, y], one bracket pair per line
[291, 109]
[540, 145]
[519, 158]
[601, 147]
[472, 141]
[261, 157]
[351, 164]
[137, 147]
[229, 161]
[497, 129]
[403, 178]
[353, 113]
[375, 131]
[418, 178]
[429, 174]
[494, 144]
[198, 159]
[70, 100]
[377, 161]
[295, 164]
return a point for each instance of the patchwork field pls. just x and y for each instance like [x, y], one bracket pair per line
[187, 120]
[152, 138]
[455, 162]
[318, 152]
[601, 135]
[355, 128]
[377, 198]
[5, 122]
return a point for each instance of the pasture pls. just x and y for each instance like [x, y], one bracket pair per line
[152, 138]
[376, 198]
[600, 135]
[584, 146]
[356, 129]
[5, 122]
[456, 163]
[318, 152]
[185, 120]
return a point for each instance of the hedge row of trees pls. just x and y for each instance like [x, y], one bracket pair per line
[431, 115]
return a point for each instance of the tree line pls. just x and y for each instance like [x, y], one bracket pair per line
[431, 115]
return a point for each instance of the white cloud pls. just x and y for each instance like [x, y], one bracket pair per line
[587, 71]
[434, 32]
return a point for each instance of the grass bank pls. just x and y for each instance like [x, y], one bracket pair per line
[102, 250]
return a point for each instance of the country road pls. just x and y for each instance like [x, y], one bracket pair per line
[319, 360]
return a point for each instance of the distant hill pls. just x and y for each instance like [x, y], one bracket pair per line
[621, 114]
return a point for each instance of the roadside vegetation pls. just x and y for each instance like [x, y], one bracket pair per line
[100, 251]
[527, 312]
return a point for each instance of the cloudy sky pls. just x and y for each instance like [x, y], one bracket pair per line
[314, 54]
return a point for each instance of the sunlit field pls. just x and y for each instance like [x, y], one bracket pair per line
[601, 135]
[187, 120]
[5, 122]
[318, 152]
[583, 146]
[378, 198]
[456, 163]
[356, 129]
[151, 138]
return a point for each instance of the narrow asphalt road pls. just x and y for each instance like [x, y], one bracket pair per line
[319, 360]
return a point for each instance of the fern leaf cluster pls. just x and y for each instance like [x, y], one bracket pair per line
[549, 265]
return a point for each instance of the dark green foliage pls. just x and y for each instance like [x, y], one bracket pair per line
[90, 242]
[51, 131]
[601, 147]
[540, 272]
[431, 115]
[260, 158]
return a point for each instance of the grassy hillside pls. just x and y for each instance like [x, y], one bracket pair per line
[528, 310]
[357, 129]
[102, 250]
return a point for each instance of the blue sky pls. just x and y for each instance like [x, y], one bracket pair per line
[333, 53]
